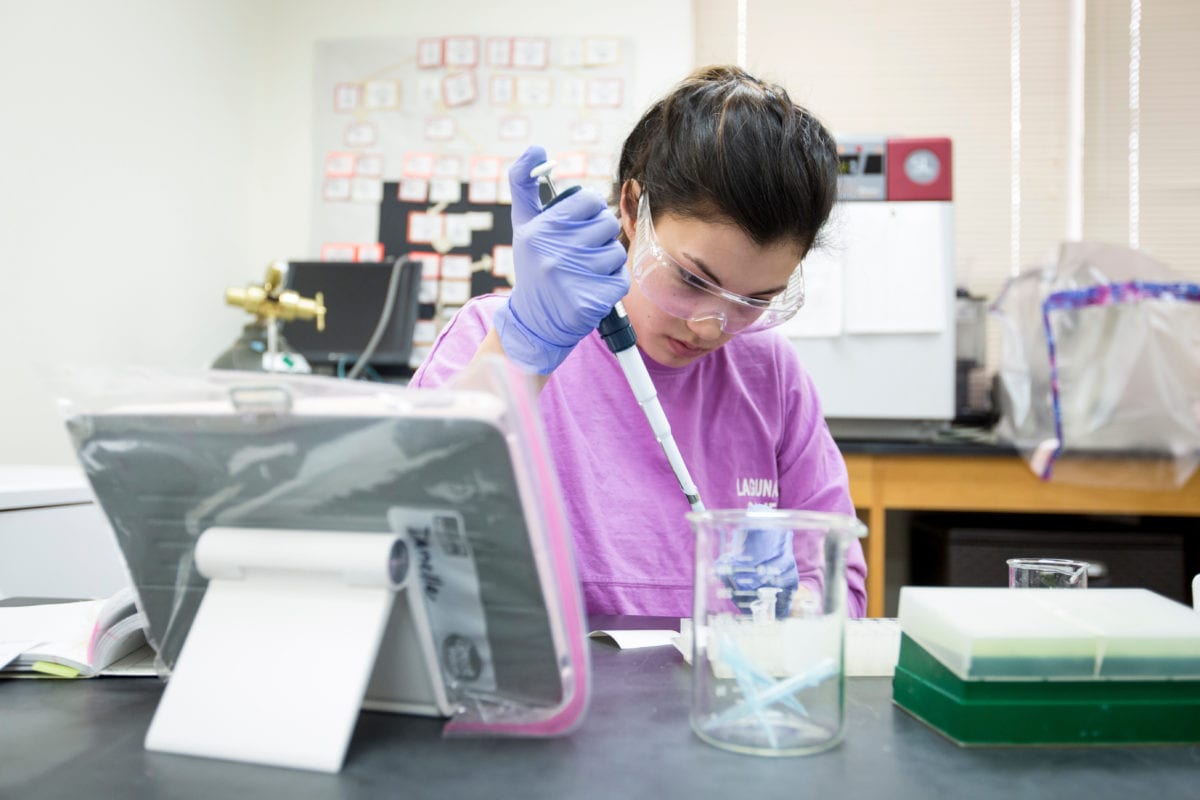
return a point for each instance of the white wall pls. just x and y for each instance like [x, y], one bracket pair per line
[153, 153]
[284, 181]
[123, 194]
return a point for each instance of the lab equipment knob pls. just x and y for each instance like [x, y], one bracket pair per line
[270, 301]
[293, 306]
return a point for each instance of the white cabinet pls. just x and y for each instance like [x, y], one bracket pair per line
[54, 539]
[877, 329]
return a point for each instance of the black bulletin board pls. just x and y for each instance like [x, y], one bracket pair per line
[393, 235]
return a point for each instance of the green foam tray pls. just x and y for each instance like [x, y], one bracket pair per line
[1094, 712]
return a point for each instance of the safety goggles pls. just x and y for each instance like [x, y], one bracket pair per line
[682, 293]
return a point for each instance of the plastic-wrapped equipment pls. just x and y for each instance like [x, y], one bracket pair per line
[1100, 370]
[464, 474]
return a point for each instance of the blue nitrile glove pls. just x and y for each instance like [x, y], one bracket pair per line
[570, 271]
[765, 559]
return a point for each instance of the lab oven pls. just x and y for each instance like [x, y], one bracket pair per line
[877, 329]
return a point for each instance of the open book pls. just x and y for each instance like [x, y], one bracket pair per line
[76, 639]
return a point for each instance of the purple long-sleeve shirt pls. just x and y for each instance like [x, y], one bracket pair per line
[747, 421]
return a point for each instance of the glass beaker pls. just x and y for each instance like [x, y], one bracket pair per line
[1047, 573]
[768, 622]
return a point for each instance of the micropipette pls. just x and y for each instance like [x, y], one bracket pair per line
[618, 334]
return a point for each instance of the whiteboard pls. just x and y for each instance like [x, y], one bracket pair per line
[444, 116]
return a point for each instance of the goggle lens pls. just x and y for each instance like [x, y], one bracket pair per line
[684, 294]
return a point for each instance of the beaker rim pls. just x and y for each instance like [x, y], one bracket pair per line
[1050, 562]
[845, 524]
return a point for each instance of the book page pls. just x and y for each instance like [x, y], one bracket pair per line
[115, 642]
[115, 609]
[9, 651]
[86, 635]
[61, 631]
[138, 664]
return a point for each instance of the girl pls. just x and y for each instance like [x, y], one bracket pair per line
[723, 186]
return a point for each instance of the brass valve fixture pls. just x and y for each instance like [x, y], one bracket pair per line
[270, 301]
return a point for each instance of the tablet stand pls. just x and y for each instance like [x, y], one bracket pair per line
[277, 661]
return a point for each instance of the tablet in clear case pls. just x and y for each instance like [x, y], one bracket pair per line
[464, 474]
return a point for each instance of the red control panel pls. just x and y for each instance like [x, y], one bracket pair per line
[919, 169]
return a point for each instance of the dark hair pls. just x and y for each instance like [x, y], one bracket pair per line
[724, 143]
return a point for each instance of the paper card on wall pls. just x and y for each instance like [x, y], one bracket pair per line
[570, 53]
[604, 93]
[456, 267]
[418, 165]
[429, 89]
[502, 261]
[458, 89]
[455, 293]
[429, 53]
[338, 251]
[534, 91]
[369, 252]
[360, 134]
[381, 94]
[430, 264]
[480, 220]
[483, 191]
[439, 129]
[501, 90]
[427, 290]
[424, 227]
[504, 189]
[513, 129]
[448, 167]
[530, 53]
[346, 96]
[599, 165]
[571, 165]
[821, 316]
[499, 52]
[366, 190]
[339, 165]
[599, 51]
[461, 51]
[445, 190]
[424, 331]
[573, 93]
[585, 131]
[485, 167]
[413, 190]
[369, 165]
[336, 189]
[458, 233]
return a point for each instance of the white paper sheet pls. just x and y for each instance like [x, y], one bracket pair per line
[634, 639]
[821, 315]
[895, 280]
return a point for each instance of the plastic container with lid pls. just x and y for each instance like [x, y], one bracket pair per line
[1044, 634]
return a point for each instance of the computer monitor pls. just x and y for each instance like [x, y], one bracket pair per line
[355, 295]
